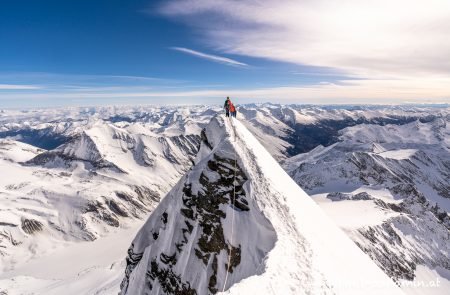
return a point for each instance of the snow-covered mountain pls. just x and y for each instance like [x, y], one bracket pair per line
[388, 188]
[237, 222]
[272, 131]
[103, 179]
[76, 183]
[284, 130]
[98, 178]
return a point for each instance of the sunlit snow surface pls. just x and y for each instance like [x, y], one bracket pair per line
[87, 226]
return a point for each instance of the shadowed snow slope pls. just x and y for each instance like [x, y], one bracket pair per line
[281, 241]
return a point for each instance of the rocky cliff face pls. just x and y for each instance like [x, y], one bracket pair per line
[236, 214]
[186, 245]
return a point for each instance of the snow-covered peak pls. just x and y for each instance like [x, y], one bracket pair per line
[236, 222]
[216, 132]
[387, 187]
[435, 132]
[16, 151]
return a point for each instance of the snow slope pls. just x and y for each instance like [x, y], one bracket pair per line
[268, 129]
[388, 188]
[281, 241]
[102, 181]
[75, 268]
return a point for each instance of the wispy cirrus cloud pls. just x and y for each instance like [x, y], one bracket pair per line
[397, 49]
[37, 79]
[18, 87]
[367, 38]
[211, 57]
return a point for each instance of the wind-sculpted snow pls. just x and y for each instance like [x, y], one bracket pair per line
[276, 246]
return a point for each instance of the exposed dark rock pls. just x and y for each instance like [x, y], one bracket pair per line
[93, 206]
[405, 190]
[386, 246]
[87, 235]
[205, 139]
[137, 207]
[30, 226]
[396, 265]
[8, 224]
[169, 281]
[116, 208]
[132, 260]
[390, 206]
[441, 215]
[362, 196]
[164, 217]
[235, 258]
[168, 151]
[168, 259]
[212, 284]
[188, 144]
[6, 235]
[146, 195]
[338, 196]
[204, 208]
[98, 210]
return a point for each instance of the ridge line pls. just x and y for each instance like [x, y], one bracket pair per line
[232, 216]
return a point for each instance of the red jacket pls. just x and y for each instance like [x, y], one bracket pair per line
[232, 108]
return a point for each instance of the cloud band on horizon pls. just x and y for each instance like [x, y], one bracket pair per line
[344, 92]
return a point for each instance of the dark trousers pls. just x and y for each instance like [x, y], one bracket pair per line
[227, 113]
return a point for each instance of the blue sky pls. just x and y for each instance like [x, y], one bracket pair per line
[198, 51]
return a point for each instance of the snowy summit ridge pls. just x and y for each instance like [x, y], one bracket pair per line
[236, 222]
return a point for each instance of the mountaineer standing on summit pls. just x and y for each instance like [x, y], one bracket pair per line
[227, 106]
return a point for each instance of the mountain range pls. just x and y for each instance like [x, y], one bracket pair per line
[84, 176]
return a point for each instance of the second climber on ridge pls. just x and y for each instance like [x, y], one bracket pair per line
[232, 110]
